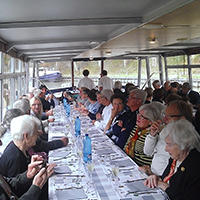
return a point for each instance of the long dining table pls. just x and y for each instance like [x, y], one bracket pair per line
[112, 175]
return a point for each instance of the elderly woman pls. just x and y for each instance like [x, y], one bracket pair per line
[15, 159]
[147, 114]
[118, 102]
[180, 179]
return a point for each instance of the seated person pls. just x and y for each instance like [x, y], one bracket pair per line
[124, 126]
[158, 95]
[154, 142]
[41, 145]
[180, 179]
[84, 100]
[15, 158]
[118, 102]
[100, 109]
[5, 134]
[94, 104]
[117, 87]
[9, 187]
[36, 111]
[147, 114]
[102, 120]
[149, 92]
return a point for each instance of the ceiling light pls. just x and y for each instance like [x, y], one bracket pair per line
[93, 42]
[108, 53]
[152, 40]
[152, 26]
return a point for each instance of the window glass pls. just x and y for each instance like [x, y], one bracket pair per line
[7, 63]
[6, 95]
[195, 79]
[177, 60]
[16, 65]
[195, 59]
[180, 75]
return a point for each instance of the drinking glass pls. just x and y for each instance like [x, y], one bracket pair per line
[90, 166]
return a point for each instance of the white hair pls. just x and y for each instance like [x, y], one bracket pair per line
[140, 94]
[23, 124]
[107, 94]
[23, 105]
[183, 133]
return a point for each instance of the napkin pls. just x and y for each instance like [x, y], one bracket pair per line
[70, 194]
[59, 154]
[62, 170]
[137, 186]
[123, 163]
[106, 151]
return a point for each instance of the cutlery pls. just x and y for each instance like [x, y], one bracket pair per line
[62, 157]
[141, 192]
[69, 188]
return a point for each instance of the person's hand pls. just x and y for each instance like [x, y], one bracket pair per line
[93, 121]
[120, 123]
[146, 169]
[113, 112]
[65, 141]
[34, 166]
[51, 120]
[162, 185]
[151, 181]
[155, 128]
[51, 96]
[49, 113]
[98, 116]
[41, 178]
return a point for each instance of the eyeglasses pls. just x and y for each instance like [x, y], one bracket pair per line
[171, 116]
[130, 97]
[36, 104]
[142, 117]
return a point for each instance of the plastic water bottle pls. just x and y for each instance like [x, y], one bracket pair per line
[87, 149]
[67, 107]
[77, 126]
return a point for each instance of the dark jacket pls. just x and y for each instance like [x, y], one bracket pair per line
[20, 182]
[185, 183]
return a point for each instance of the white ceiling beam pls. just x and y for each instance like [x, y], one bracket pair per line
[70, 22]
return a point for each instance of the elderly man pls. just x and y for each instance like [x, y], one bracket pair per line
[193, 96]
[102, 119]
[124, 127]
[154, 142]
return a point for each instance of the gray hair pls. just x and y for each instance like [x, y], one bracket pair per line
[107, 94]
[187, 85]
[23, 105]
[118, 84]
[151, 112]
[23, 124]
[37, 92]
[183, 133]
[161, 107]
[140, 94]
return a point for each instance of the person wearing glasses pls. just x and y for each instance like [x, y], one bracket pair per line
[155, 141]
[147, 114]
[124, 126]
[180, 179]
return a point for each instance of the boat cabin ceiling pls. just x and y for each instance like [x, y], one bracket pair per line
[62, 30]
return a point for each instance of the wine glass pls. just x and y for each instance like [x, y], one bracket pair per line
[115, 171]
[90, 166]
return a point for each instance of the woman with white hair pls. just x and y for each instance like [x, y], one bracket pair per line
[180, 179]
[15, 159]
[147, 114]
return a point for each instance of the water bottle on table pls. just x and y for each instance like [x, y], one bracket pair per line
[77, 126]
[87, 149]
